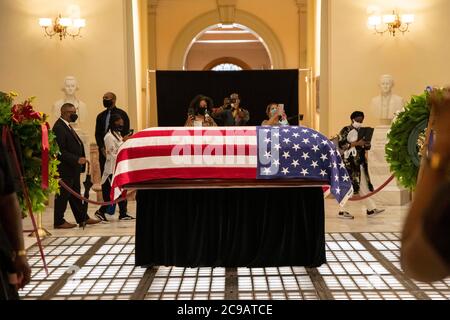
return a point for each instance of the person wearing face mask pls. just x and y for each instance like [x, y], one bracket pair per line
[199, 113]
[355, 161]
[240, 115]
[113, 140]
[276, 115]
[102, 125]
[72, 164]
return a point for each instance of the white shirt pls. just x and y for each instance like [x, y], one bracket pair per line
[112, 145]
[66, 122]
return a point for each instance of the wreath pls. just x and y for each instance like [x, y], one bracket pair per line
[36, 148]
[406, 140]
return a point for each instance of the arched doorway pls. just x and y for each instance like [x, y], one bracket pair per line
[202, 23]
[231, 47]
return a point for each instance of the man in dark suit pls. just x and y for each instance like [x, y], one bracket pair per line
[73, 161]
[102, 125]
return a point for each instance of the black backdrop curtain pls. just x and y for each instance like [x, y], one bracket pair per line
[257, 88]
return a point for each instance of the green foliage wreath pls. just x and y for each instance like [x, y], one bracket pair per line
[406, 139]
[25, 124]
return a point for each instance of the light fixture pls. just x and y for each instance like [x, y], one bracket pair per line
[62, 27]
[390, 22]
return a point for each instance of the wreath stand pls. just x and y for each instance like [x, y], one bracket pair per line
[41, 231]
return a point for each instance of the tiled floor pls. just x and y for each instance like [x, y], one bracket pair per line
[98, 263]
[361, 266]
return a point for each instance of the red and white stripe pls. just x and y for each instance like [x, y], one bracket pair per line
[186, 153]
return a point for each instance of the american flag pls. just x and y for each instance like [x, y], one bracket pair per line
[299, 152]
[201, 153]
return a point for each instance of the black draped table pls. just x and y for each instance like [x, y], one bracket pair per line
[224, 226]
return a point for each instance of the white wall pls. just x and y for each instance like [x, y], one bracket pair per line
[33, 65]
[358, 58]
[281, 17]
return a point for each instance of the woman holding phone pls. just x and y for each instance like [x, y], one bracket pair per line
[113, 140]
[276, 115]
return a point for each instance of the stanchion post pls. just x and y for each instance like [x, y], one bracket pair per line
[41, 231]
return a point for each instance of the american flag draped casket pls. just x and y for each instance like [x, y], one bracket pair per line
[287, 152]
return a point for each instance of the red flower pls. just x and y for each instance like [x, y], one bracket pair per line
[23, 112]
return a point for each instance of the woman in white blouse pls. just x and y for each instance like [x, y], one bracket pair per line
[113, 141]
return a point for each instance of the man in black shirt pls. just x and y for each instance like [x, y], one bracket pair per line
[102, 124]
[14, 269]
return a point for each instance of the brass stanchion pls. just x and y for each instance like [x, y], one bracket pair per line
[42, 232]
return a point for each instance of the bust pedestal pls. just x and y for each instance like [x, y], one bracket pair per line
[393, 193]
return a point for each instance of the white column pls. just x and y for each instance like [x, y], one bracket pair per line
[152, 113]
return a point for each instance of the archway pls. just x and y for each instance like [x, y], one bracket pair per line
[202, 23]
[232, 44]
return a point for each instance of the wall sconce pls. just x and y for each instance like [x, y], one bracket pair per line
[391, 22]
[62, 27]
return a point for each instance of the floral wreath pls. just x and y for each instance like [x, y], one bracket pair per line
[406, 140]
[36, 148]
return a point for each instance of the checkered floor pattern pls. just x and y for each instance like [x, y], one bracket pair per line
[361, 266]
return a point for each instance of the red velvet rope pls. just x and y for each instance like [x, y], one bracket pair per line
[358, 198]
[65, 186]
[79, 196]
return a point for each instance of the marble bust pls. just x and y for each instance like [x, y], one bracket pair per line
[69, 89]
[387, 104]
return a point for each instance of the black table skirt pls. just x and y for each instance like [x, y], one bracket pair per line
[230, 227]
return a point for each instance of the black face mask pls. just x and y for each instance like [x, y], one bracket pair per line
[201, 111]
[73, 117]
[107, 103]
[118, 129]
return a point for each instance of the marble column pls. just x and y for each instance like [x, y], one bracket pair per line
[302, 6]
[152, 64]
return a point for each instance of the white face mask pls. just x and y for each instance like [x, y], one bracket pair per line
[357, 125]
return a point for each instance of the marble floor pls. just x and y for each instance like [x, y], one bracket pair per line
[97, 263]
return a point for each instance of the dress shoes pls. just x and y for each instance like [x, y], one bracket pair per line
[374, 212]
[66, 225]
[88, 221]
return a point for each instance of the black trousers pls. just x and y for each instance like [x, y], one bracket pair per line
[102, 161]
[76, 205]
[106, 191]
[7, 291]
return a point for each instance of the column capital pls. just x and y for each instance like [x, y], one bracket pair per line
[152, 5]
[302, 5]
[227, 11]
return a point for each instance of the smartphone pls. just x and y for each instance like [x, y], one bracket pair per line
[131, 132]
[281, 108]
